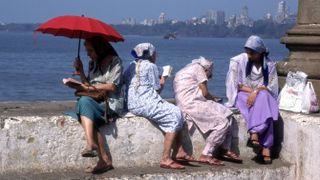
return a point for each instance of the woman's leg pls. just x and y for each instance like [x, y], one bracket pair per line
[168, 142]
[104, 160]
[264, 133]
[87, 125]
[166, 161]
[182, 154]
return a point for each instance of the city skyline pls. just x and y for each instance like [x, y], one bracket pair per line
[218, 17]
[36, 11]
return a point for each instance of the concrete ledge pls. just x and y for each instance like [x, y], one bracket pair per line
[276, 171]
[50, 141]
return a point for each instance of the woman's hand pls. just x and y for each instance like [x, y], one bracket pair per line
[252, 98]
[77, 64]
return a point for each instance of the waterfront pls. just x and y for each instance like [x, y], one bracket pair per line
[32, 70]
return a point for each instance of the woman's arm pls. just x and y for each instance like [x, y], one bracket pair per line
[205, 92]
[162, 82]
[79, 68]
[110, 87]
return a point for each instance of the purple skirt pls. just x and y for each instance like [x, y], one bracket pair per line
[260, 116]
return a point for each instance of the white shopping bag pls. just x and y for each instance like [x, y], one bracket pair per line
[291, 95]
[309, 102]
[290, 99]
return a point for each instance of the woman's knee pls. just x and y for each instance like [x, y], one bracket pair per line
[263, 94]
[84, 101]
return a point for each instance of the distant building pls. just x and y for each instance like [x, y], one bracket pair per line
[282, 13]
[162, 18]
[174, 21]
[268, 17]
[129, 21]
[220, 17]
[203, 20]
[231, 23]
[244, 18]
[148, 22]
[210, 16]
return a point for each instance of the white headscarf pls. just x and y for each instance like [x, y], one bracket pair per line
[143, 51]
[205, 63]
[256, 43]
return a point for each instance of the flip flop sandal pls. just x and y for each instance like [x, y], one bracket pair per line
[266, 159]
[212, 162]
[89, 153]
[186, 158]
[231, 157]
[172, 165]
[96, 170]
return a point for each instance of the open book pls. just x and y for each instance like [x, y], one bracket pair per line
[72, 83]
[167, 71]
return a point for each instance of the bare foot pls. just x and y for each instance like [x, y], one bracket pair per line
[182, 156]
[209, 160]
[170, 164]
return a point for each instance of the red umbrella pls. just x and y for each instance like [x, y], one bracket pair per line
[79, 27]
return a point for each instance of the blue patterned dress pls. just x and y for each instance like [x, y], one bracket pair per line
[142, 82]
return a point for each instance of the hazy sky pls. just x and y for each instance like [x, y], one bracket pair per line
[113, 11]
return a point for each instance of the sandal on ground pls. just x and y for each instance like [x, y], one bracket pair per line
[211, 161]
[186, 157]
[89, 153]
[231, 157]
[172, 165]
[266, 159]
[98, 170]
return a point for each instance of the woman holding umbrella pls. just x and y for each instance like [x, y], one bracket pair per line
[105, 69]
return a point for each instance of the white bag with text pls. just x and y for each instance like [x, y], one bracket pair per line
[309, 102]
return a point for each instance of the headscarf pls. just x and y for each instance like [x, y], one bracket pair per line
[205, 63]
[143, 51]
[256, 44]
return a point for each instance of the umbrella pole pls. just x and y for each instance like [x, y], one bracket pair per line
[79, 44]
[77, 70]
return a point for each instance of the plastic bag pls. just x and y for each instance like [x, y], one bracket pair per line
[310, 102]
[291, 95]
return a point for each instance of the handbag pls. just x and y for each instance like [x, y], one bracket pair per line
[98, 96]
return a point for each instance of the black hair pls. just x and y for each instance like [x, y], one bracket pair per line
[102, 48]
[265, 70]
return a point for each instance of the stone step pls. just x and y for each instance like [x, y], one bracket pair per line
[248, 170]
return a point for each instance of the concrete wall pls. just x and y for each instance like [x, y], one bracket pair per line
[301, 145]
[50, 142]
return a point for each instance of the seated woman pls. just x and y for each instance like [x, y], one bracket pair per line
[105, 70]
[200, 109]
[143, 87]
[252, 87]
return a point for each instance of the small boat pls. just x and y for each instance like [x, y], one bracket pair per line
[170, 36]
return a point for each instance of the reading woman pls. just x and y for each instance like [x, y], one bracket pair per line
[252, 87]
[200, 110]
[104, 76]
[143, 84]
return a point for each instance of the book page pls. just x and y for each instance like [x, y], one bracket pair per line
[167, 71]
[72, 83]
